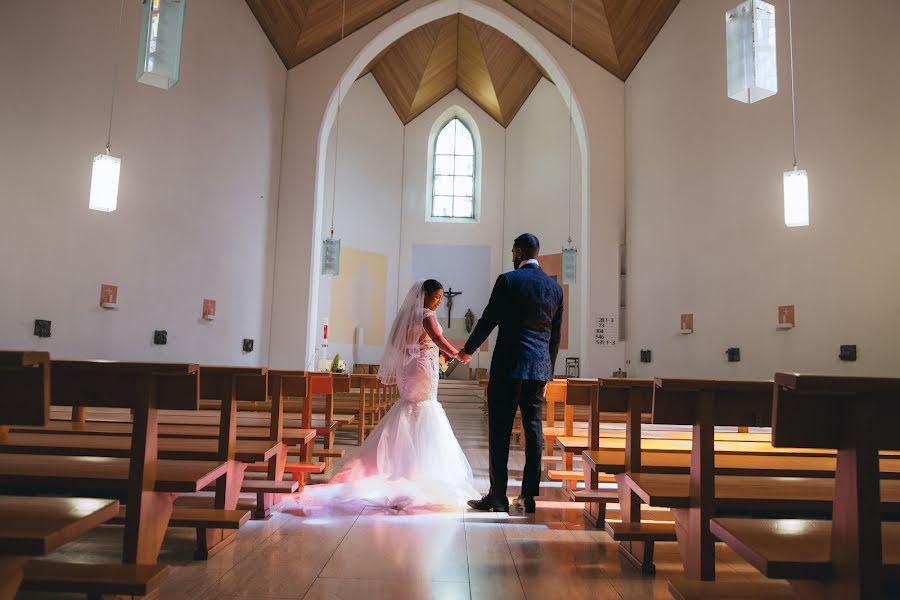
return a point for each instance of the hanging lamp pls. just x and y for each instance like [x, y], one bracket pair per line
[159, 53]
[331, 246]
[569, 251]
[796, 182]
[752, 61]
[106, 167]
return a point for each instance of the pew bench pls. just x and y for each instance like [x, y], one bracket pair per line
[796, 548]
[94, 580]
[37, 526]
[691, 589]
[855, 555]
[66, 444]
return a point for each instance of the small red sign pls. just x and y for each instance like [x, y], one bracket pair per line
[687, 321]
[786, 315]
[209, 308]
[108, 293]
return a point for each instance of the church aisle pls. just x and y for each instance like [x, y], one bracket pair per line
[410, 556]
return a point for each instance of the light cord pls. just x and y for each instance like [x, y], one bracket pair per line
[793, 98]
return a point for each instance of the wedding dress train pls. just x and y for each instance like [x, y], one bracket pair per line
[411, 458]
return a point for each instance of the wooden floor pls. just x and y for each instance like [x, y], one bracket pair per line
[410, 556]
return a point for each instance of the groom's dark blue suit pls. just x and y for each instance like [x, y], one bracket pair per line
[527, 306]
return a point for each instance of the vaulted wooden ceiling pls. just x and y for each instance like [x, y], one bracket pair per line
[455, 52]
[613, 33]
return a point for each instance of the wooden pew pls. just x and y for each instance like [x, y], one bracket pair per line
[25, 384]
[295, 384]
[81, 384]
[854, 555]
[695, 497]
[36, 526]
[677, 402]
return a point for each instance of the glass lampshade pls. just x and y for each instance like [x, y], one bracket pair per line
[105, 183]
[569, 264]
[159, 58]
[331, 256]
[750, 47]
[796, 198]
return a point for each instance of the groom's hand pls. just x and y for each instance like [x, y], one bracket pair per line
[463, 357]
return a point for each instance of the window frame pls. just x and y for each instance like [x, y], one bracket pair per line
[454, 113]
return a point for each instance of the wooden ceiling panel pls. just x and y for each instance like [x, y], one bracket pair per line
[282, 22]
[634, 26]
[439, 78]
[473, 77]
[590, 34]
[400, 71]
[513, 72]
[455, 53]
[613, 33]
[300, 29]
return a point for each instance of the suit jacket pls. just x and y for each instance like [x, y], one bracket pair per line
[527, 305]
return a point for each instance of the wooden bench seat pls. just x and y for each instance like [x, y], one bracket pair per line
[753, 493]
[691, 589]
[290, 435]
[247, 451]
[94, 580]
[721, 446]
[98, 477]
[796, 548]
[38, 526]
[736, 463]
[641, 532]
[198, 518]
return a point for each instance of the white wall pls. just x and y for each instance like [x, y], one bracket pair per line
[311, 86]
[368, 184]
[541, 168]
[704, 195]
[523, 188]
[198, 187]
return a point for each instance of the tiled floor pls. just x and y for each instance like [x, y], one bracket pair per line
[446, 555]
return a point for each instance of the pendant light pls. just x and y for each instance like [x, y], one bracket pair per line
[752, 60]
[796, 182]
[105, 171]
[569, 251]
[159, 53]
[331, 246]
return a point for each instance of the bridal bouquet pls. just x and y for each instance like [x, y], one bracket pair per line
[444, 362]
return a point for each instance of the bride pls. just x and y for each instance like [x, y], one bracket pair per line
[411, 458]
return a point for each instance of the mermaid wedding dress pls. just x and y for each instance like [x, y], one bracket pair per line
[412, 458]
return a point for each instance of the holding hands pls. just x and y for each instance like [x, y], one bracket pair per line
[462, 357]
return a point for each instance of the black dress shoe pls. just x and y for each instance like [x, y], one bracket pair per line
[525, 504]
[489, 503]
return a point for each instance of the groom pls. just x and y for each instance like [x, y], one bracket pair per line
[527, 305]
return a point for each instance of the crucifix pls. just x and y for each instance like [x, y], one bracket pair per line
[449, 294]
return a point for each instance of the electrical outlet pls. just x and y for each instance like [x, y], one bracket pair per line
[645, 356]
[848, 352]
[42, 328]
[734, 354]
[248, 345]
[160, 337]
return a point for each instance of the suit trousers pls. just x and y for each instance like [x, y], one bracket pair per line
[504, 397]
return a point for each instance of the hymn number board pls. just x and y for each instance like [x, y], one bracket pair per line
[606, 330]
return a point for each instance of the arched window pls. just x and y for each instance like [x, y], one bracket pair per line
[453, 176]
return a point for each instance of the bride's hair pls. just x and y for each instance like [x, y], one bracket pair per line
[431, 285]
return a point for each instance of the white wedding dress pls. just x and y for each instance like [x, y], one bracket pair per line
[411, 459]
